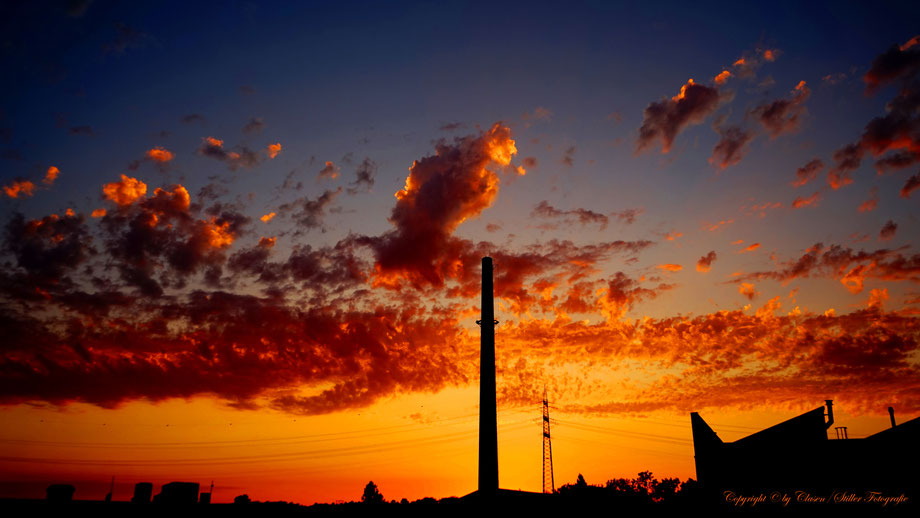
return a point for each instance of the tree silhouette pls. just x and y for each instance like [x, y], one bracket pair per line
[371, 494]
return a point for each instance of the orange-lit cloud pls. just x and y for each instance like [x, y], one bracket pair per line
[671, 236]
[705, 262]
[51, 175]
[771, 54]
[722, 77]
[161, 155]
[750, 248]
[848, 266]
[670, 267]
[747, 289]
[716, 226]
[267, 217]
[666, 118]
[273, 150]
[800, 202]
[19, 188]
[441, 192]
[98, 213]
[808, 172]
[124, 192]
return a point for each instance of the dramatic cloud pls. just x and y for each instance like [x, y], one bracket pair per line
[898, 131]
[705, 262]
[808, 172]
[582, 216]
[731, 146]
[267, 217]
[783, 115]
[897, 62]
[666, 118]
[273, 149]
[722, 77]
[441, 192]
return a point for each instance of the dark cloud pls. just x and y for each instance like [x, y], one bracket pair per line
[241, 156]
[666, 118]
[783, 115]
[731, 146]
[582, 216]
[254, 126]
[192, 118]
[46, 249]
[365, 175]
[309, 214]
[451, 126]
[126, 37]
[81, 130]
[705, 262]
[897, 62]
[898, 131]
[329, 170]
[808, 172]
[568, 158]
[911, 185]
[888, 230]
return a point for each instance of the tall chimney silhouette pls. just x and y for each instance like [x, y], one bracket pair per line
[488, 422]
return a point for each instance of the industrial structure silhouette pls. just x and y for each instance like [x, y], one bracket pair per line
[792, 457]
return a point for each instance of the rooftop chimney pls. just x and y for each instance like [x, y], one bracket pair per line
[830, 413]
[891, 415]
[488, 423]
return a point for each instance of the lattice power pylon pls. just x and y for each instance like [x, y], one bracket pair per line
[549, 485]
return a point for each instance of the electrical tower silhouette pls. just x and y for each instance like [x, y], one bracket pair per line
[549, 485]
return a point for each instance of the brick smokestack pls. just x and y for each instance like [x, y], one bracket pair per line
[488, 423]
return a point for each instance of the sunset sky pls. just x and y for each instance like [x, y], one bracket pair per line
[241, 240]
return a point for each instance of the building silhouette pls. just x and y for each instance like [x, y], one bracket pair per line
[797, 456]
